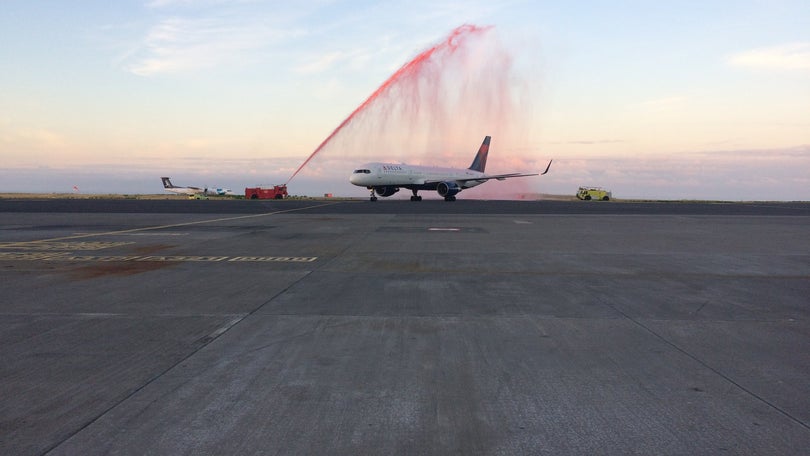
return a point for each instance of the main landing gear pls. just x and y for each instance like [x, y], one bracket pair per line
[415, 197]
[449, 198]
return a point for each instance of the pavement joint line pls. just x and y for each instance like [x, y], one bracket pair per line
[325, 266]
[710, 368]
[224, 328]
[205, 341]
[174, 225]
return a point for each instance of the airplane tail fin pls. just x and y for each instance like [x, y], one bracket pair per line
[167, 183]
[480, 161]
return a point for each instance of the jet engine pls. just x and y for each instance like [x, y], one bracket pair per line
[447, 189]
[386, 191]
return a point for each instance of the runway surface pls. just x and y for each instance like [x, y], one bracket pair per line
[350, 327]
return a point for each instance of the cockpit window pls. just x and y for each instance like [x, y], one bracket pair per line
[362, 171]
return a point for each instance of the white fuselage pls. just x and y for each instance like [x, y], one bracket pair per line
[218, 191]
[191, 191]
[422, 177]
[184, 190]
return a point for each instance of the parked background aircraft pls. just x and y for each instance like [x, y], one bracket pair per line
[385, 179]
[194, 191]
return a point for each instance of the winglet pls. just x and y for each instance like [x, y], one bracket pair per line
[547, 167]
[480, 161]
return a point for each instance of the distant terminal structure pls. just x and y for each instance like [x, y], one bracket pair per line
[594, 193]
[274, 192]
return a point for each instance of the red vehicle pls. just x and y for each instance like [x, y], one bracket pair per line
[275, 192]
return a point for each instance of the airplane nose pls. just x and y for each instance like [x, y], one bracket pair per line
[360, 177]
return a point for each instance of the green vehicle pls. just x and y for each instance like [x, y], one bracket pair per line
[593, 193]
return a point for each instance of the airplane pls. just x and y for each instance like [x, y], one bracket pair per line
[194, 192]
[385, 179]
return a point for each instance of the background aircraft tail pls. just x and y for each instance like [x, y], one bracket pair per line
[480, 161]
[167, 183]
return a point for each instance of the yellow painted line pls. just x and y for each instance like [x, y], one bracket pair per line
[174, 225]
[41, 245]
[182, 258]
[69, 256]
[27, 256]
[139, 234]
[282, 259]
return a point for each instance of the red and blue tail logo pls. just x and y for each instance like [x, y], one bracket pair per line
[480, 161]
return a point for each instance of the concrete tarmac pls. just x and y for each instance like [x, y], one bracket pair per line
[350, 327]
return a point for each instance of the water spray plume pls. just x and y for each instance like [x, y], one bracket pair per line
[410, 70]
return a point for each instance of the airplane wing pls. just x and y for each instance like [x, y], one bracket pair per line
[500, 177]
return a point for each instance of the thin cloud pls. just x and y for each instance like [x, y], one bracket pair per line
[744, 174]
[34, 138]
[791, 56]
[193, 35]
[157, 4]
[588, 142]
[321, 63]
[177, 45]
[165, 3]
[662, 104]
[355, 60]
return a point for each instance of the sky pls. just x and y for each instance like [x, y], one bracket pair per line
[660, 100]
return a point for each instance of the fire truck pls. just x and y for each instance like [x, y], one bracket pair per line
[593, 193]
[274, 192]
